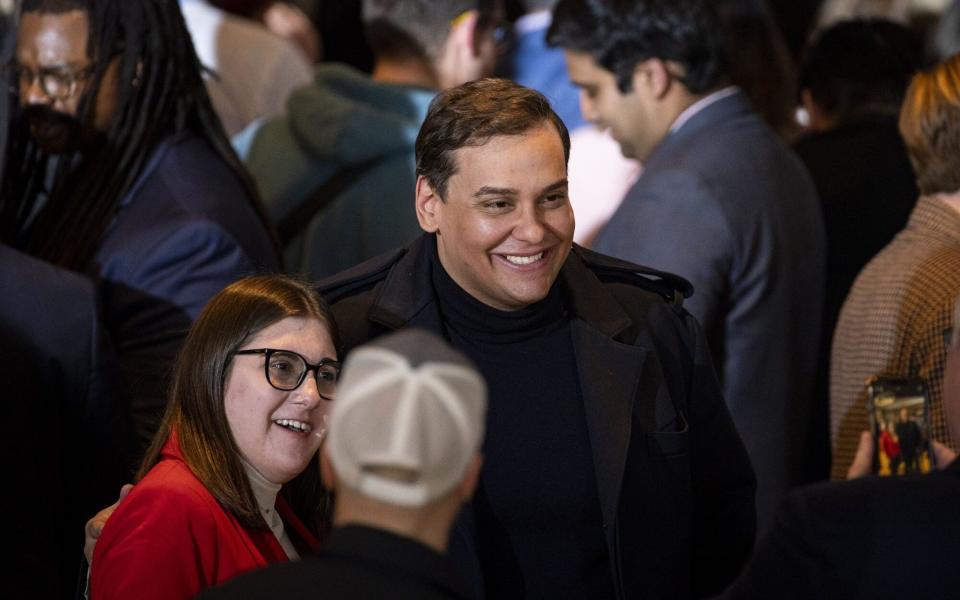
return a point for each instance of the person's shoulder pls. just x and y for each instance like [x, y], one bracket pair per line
[173, 483]
[834, 515]
[169, 500]
[185, 176]
[624, 277]
[361, 278]
[292, 580]
[871, 494]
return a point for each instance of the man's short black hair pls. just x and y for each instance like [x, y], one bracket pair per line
[619, 34]
[473, 113]
[860, 65]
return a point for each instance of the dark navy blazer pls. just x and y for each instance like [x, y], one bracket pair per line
[183, 232]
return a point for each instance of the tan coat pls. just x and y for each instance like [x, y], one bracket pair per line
[896, 321]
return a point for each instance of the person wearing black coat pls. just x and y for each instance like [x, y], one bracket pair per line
[63, 438]
[612, 467]
[675, 485]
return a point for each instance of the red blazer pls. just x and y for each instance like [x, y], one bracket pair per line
[170, 538]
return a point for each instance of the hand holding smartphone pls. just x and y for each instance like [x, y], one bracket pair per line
[899, 410]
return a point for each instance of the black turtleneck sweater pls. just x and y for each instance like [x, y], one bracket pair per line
[539, 529]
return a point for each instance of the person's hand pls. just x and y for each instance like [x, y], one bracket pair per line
[863, 460]
[95, 525]
[943, 455]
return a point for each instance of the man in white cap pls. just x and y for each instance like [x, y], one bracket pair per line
[402, 456]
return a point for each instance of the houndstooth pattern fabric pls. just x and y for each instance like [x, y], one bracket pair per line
[896, 321]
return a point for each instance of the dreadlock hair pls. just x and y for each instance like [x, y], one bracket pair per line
[160, 93]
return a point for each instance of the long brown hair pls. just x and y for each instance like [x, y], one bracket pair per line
[195, 410]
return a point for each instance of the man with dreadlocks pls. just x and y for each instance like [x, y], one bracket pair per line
[118, 168]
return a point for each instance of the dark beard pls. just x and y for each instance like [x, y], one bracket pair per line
[53, 131]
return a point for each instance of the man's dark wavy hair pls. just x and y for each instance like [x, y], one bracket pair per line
[619, 34]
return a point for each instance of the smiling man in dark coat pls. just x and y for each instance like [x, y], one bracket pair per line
[612, 466]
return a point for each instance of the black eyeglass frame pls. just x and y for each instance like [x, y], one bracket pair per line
[268, 352]
[68, 76]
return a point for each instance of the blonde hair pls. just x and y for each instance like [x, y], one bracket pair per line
[930, 126]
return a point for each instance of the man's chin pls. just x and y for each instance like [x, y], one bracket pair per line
[53, 144]
[52, 131]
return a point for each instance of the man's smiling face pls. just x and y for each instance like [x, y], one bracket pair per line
[505, 226]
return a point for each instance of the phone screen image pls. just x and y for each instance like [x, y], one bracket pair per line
[899, 419]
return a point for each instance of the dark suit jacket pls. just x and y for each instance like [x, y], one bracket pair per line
[723, 203]
[869, 539]
[62, 430]
[675, 485]
[182, 233]
[358, 562]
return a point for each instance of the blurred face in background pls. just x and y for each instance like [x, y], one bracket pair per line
[53, 73]
[638, 119]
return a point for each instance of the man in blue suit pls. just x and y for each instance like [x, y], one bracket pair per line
[721, 202]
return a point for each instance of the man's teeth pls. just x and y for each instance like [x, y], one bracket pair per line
[298, 426]
[524, 260]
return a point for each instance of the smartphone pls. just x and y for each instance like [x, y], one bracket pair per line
[899, 409]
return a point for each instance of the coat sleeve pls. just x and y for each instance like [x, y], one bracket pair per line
[724, 485]
[154, 547]
[152, 294]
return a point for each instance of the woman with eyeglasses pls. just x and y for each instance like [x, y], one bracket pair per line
[230, 482]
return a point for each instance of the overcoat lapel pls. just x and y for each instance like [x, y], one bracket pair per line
[609, 372]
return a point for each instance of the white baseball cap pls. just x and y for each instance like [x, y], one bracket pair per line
[408, 418]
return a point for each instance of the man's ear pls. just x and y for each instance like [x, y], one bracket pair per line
[463, 32]
[653, 77]
[468, 485]
[428, 203]
[327, 473]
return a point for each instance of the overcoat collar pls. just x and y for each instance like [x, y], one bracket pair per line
[408, 291]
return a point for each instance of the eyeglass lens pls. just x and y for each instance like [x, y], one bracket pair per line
[56, 82]
[286, 371]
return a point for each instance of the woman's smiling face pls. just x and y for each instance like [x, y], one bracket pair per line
[278, 432]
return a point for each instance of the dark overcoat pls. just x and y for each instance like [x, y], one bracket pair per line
[675, 484]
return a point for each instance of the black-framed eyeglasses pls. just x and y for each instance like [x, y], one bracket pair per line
[285, 370]
[58, 83]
